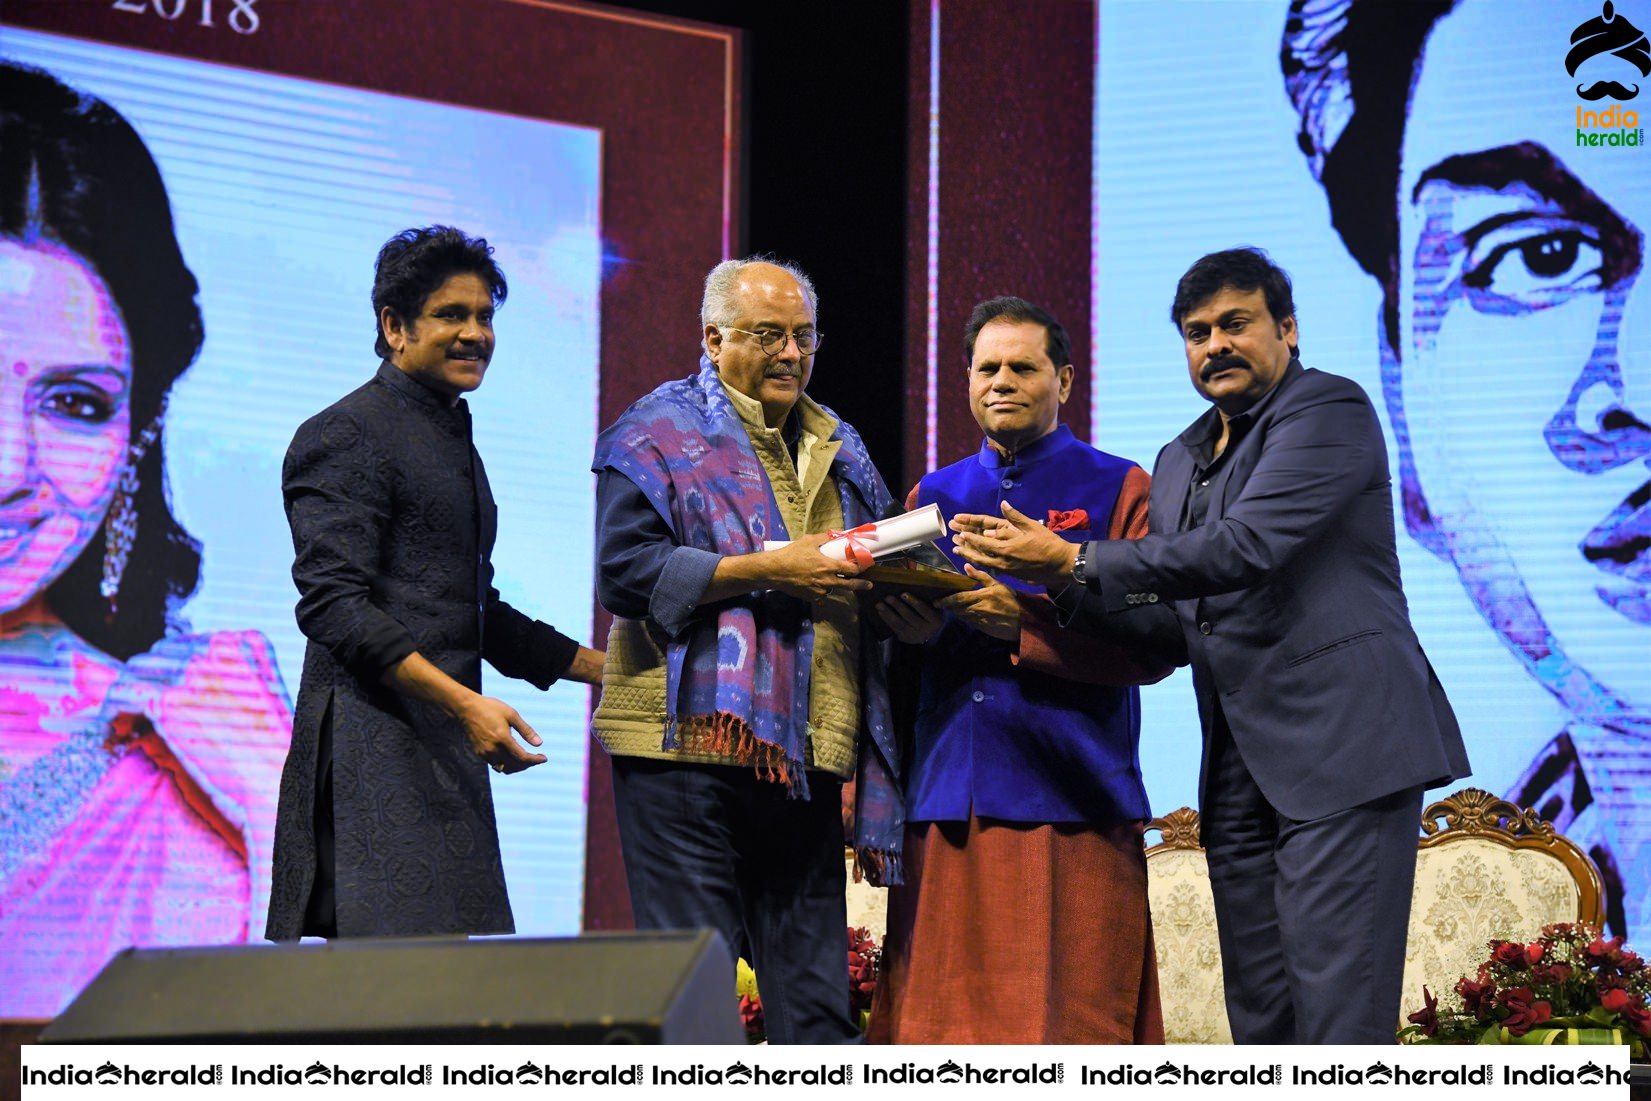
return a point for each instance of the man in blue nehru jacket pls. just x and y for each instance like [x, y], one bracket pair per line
[1024, 800]
[1272, 535]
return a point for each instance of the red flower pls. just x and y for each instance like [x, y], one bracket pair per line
[1477, 997]
[1524, 1013]
[1556, 973]
[1509, 955]
[1533, 953]
[1614, 1000]
[1609, 954]
[1070, 519]
[1637, 1018]
[1428, 1015]
[864, 961]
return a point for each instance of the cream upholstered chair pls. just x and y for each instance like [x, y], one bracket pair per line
[868, 906]
[1493, 870]
[1183, 933]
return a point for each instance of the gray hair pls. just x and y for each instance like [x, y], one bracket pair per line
[720, 306]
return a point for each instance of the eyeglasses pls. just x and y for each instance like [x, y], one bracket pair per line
[772, 341]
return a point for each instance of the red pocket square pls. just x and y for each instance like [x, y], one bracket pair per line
[1072, 519]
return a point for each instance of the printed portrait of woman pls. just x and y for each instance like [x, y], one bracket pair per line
[138, 762]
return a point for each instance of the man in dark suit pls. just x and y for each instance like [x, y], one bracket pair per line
[1271, 521]
[385, 825]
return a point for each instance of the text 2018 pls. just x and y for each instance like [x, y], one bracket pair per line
[240, 16]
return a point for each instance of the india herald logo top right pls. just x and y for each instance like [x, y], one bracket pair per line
[1613, 34]
[1603, 44]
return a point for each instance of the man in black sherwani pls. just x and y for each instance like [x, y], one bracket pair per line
[386, 823]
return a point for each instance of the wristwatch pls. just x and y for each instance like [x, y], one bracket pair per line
[1078, 576]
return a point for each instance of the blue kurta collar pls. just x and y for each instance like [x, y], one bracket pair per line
[1036, 451]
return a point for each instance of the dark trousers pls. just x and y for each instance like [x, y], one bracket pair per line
[321, 913]
[709, 845]
[1311, 914]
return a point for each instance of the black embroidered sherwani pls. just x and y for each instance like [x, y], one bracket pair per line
[392, 526]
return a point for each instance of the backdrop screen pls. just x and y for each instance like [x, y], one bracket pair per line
[138, 782]
[1502, 338]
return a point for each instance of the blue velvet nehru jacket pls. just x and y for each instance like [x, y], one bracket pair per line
[1009, 741]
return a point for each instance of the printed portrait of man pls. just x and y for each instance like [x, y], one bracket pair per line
[1515, 336]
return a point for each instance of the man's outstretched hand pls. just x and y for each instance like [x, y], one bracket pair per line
[1014, 544]
[488, 724]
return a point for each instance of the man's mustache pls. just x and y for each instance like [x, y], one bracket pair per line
[1602, 88]
[1223, 363]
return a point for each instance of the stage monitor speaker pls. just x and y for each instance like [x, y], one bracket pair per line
[612, 988]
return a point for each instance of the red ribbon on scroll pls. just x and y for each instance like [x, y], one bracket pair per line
[855, 551]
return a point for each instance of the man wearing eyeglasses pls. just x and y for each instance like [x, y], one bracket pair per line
[743, 687]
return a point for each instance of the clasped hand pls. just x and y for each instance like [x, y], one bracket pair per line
[799, 569]
[1014, 544]
[993, 609]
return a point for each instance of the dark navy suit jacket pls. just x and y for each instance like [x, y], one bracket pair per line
[1290, 601]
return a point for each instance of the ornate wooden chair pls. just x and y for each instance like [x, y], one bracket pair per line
[1183, 933]
[1492, 870]
[1486, 869]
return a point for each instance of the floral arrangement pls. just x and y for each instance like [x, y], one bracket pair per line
[865, 963]
[865, 960]
[1570, 985]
